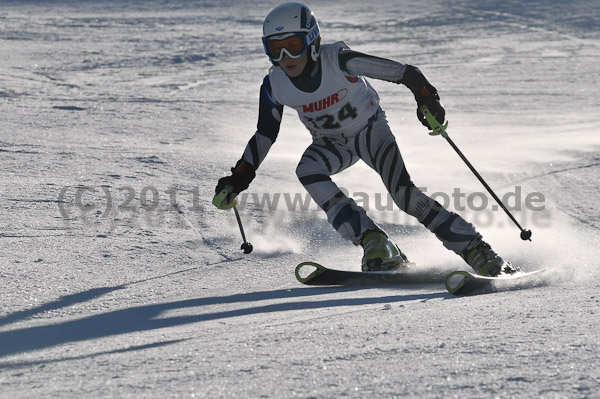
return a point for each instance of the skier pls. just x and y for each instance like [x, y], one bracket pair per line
[326, 85]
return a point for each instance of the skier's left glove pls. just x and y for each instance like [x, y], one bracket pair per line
[425, 94]
[428, 96]
[241, 176]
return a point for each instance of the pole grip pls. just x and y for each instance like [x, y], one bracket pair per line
[219, 199]
[436, 127]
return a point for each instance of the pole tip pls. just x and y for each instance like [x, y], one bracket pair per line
[247, 247]
[526, 235]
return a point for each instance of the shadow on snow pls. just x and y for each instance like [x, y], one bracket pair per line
[147, 317]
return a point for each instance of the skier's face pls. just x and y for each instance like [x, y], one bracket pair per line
[293, 67]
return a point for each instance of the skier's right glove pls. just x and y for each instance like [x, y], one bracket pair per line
[229, 187]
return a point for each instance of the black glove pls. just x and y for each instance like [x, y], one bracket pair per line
[241, 176]
[424, 93]
[428, 96]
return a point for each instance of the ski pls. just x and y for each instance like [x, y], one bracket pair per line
[462, 283]
[311, 273]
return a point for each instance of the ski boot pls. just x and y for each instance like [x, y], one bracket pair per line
[486, 262]
[381, 254]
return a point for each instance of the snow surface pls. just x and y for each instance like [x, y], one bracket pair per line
[119, 278]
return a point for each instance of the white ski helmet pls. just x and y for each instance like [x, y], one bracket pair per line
[291, 29]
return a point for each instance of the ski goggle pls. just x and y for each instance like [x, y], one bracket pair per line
[294, 46]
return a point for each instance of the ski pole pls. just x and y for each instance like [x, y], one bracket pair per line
[439, 129]
[246, 246]
[218, 202]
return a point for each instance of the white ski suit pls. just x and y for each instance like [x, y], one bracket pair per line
[341, 110]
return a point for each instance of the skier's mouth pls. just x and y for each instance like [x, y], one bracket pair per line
[292, 66]
[292, 69]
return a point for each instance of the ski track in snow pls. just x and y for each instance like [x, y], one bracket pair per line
[119, 278]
